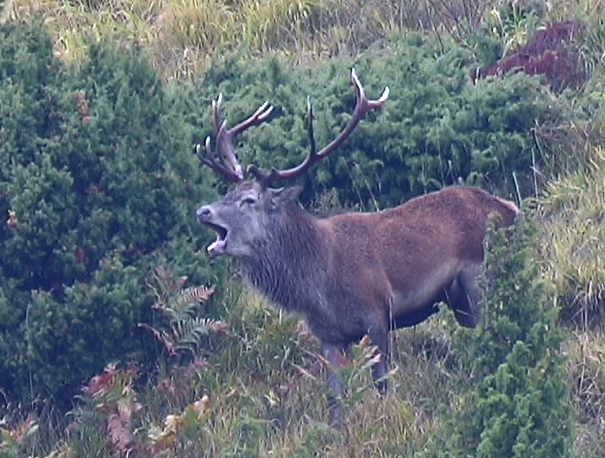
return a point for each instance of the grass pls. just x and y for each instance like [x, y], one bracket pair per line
[573, 240]
[182, 35]
[259, 390]
[572, 247]
[586, 373]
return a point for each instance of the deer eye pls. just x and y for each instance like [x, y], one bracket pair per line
[248, 201]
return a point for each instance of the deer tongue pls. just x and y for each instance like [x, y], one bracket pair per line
[217, 247]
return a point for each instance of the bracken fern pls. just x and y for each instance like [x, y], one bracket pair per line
[183, 328]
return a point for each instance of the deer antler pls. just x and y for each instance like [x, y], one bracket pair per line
[362, 106]
[227, 164]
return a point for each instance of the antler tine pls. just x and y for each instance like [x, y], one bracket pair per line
[224, 137]
[260, 115]
[213, 163]
[216, 113]
[310, 132]
[362, 106]
[227, 164]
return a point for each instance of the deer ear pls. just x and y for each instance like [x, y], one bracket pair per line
[285, 195]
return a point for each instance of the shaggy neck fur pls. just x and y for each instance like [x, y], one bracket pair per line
[287, 264]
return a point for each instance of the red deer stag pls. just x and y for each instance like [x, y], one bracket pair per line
[355, 273]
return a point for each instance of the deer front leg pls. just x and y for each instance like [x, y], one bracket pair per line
[335, 356]
[379, 335]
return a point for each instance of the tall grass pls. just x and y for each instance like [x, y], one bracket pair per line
[181, 35]
[74, 24]
[572, 243]
[573, 240]
[586, 372]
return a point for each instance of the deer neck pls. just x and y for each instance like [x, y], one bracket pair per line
[289, 264]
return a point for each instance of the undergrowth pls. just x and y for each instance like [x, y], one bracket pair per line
[256, 388]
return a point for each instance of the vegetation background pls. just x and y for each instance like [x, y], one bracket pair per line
[119, 337]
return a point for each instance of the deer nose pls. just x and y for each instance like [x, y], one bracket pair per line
[203, 213]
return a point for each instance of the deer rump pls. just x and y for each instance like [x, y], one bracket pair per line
[356, 273]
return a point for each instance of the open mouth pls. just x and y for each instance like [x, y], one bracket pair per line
[218, 246]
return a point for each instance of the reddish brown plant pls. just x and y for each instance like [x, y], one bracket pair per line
[551, 52]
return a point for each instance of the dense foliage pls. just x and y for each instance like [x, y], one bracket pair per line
[517, 405]
[97, 186]
[437, 128]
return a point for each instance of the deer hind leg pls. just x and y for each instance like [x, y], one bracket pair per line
[464, 296]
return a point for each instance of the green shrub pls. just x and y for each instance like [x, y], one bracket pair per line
[98, 187]
[516, 402]
[436, 129]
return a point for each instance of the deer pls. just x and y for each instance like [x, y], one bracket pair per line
[353, 274]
